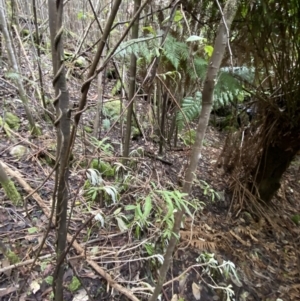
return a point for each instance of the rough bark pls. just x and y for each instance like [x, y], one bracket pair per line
[62, 124]
[276, 158]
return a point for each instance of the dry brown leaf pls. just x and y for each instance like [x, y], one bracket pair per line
[196, 291]
[182, 282]
[203, 245]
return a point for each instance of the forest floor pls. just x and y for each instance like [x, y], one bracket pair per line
[265, 251]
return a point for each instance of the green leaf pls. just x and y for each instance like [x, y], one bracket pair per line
[138, 232]
[138, 211]
[208, 50]
[149, 248]
[100, 219]
[32, 230]
[112, 192]
[190, 109]
[117, 211]
[178, 16]
[148, 29]
[122, 226]
[130, 207]
[147, 207]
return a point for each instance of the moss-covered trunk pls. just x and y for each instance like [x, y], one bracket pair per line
[9, 188]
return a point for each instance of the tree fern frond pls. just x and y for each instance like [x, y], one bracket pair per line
[190, 109]
[227, 89]
[200, 67]
[174, 51]
[140, 47]
[230, 84]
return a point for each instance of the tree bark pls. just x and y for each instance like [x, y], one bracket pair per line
[276, 158]
[132, 79]
[62, 123]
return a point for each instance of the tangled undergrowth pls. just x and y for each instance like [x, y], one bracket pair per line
[121, 219]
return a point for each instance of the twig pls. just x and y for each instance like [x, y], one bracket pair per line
[183, 273]
[76, 245]
[26, 262]
[157, 158]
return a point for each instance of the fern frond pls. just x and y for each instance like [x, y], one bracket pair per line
[229, 86]
[175, 51]
[140, 47]
[227, 90]
[190, 109]
[200, 67]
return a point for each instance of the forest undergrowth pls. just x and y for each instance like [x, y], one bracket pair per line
[122, 217]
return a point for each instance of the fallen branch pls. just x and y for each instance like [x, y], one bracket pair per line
[76, 245]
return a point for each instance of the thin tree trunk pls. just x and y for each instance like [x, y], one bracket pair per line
[99, 105]
[163, 124]
[15, 67]
[62, 124]
[207, 102]
[132, 80]
[93, 68]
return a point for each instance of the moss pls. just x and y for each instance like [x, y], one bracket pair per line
[49, 280]
[12, 257]
[12, 193]
[74, 285]
[296, 219]
[12, 120]
[24, 33]
[5, 126]
[88, 129]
